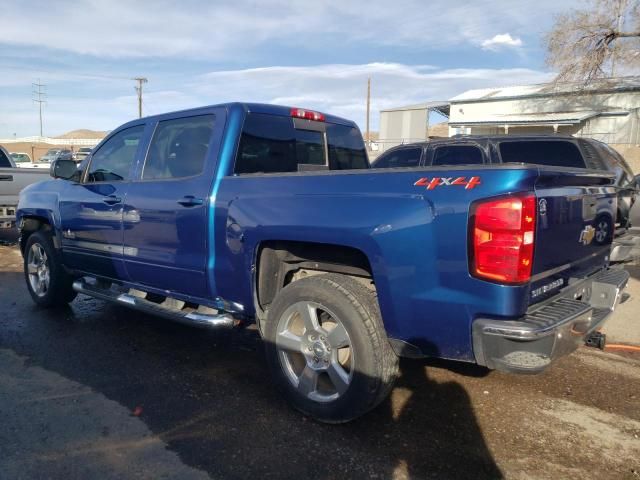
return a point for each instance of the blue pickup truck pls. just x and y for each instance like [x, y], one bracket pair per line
[238, 213]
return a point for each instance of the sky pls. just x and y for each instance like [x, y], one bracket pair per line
[316, 55]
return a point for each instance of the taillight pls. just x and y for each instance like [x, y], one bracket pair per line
[502, 234]
[307, 114]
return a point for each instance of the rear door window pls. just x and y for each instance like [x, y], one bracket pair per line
[178, 148]
[402, 157]
[273, 144]
[556, 153]
[457, 155]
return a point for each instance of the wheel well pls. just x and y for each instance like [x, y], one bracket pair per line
[282, 262]
[31, 225]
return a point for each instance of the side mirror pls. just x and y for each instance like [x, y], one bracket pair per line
[65, 169]
[637, 181]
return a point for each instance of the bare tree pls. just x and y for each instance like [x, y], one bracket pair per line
[600, 41]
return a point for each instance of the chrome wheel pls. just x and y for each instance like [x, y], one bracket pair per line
[38, 270]
[315, 351]
[602, 231]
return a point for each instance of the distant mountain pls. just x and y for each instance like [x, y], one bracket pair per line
[83, 133]
[439, 129]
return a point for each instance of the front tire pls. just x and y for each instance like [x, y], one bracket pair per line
[47, 281]
[327, 348]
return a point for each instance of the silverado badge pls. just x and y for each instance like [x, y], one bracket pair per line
[587, 234]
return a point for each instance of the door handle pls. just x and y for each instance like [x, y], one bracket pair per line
[6, 178]
[190, 201]
[111, 200]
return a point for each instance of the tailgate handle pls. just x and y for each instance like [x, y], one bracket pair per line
[6, 178]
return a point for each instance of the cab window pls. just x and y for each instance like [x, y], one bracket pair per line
[457, 155]
[179, 148]
[402, 157]
[556, 153]
[276, 144]
[4, 161]
[112, 161]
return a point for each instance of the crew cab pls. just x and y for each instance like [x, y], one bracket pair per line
[238, 213]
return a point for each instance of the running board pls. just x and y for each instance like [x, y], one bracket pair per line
[170, 308]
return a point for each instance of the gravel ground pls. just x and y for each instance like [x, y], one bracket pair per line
[624, 326]
[97, 391]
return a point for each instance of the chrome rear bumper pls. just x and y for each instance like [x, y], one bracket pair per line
[551, 329]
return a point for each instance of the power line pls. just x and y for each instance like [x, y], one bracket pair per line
[39, 97]
[64, 72]
[141, 81]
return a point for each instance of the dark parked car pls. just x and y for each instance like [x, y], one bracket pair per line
[547, 150]
[56, 154]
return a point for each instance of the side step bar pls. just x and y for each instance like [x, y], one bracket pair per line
[171, 309]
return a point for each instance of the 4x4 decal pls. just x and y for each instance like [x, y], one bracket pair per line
[448, 181]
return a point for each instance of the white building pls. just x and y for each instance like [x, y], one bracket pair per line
[607, 110]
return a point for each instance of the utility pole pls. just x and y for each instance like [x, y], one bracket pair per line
[39, 97]
[368, 109]
[140, 81]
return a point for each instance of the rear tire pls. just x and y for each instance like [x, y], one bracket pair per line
[327, 348]
[47, 281]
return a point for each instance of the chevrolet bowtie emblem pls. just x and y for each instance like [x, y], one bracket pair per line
[587, 234]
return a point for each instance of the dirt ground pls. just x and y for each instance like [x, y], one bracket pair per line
[98, 391]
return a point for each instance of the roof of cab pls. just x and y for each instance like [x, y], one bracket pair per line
[266, 108]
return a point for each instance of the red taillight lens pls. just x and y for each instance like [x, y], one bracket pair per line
[307, 114]
[502, 236]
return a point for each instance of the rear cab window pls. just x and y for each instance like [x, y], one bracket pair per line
[279, 144]
[555, 153]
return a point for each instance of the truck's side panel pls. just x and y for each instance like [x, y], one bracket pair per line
[415, 240]
[91, 211]
[13, 180]
[166, 211]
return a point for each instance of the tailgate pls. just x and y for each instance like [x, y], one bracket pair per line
[575, 222]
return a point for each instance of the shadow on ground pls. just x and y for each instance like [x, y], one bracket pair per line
[209, 397]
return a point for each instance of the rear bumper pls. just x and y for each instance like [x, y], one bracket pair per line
[550, 330]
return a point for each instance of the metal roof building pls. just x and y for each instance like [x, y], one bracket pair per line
[606, 110]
